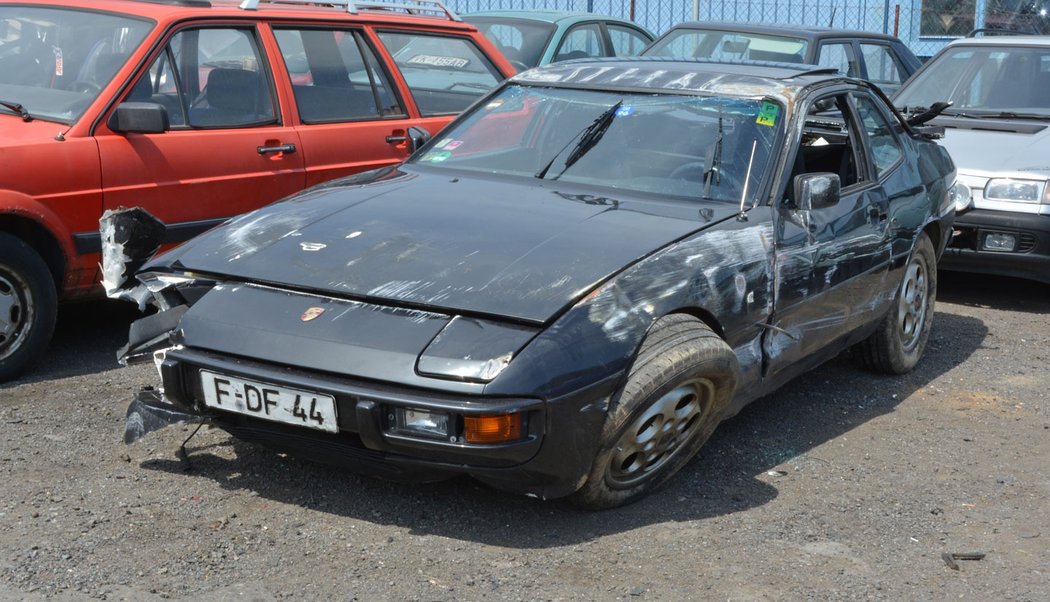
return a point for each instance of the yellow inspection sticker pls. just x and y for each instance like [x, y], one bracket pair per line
[768, 114]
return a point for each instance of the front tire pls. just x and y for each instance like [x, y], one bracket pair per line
[676, 393]
[28, 307]
[897, 345]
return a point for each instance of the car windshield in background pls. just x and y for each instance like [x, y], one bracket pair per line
[662, 144]
[54, 62]
[729, 45]
[984, 81]
[521, 41]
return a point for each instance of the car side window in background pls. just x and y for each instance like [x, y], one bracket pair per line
[444, 73]
[839, 56]
[210, 78]
[335, 76]
[883, 69]
[625, 40]
[885, 147]
[582, 41]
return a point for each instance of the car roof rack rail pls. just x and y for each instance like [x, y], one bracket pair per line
[414, 7]
[998, 32]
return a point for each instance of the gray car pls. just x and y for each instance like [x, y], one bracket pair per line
[997, 132]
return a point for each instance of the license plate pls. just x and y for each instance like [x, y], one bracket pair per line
[269, 402]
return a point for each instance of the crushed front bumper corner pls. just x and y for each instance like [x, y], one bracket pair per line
[149, 412]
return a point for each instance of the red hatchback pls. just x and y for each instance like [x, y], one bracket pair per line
[197, 111]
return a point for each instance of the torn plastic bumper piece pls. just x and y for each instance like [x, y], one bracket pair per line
[130, 237]
[146, 335]
[149, 412]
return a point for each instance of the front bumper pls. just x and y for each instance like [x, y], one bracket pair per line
[558, 443]
[1030, 258]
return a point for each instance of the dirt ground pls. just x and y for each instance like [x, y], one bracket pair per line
[844, 485]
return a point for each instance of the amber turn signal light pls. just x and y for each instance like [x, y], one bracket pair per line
[492, 429]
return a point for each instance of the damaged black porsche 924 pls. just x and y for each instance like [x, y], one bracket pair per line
[564, 292]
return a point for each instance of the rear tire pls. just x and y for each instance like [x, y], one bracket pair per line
[28, 307]
[897, 345]
[676, 393]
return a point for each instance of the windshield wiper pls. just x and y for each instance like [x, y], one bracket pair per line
[714, 161]
[590, 136]
[1012, 115]
[17, 108]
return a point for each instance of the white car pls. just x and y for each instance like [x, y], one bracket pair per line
[998, 132]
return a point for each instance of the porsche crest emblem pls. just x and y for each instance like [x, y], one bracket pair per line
[311, 313]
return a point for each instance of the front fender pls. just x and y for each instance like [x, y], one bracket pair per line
[24, 206]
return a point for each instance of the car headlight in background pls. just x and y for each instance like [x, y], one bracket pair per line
[1008, 189]
[962, 197]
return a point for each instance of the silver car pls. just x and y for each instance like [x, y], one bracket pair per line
[998, 132]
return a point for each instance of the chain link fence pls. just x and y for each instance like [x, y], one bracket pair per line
[924, 25]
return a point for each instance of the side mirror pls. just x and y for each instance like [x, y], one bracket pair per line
[817, 190]
[417, 137]
[139, 117]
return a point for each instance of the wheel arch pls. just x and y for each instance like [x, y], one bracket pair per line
[36, 225]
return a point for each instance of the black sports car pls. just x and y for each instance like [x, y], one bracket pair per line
[566, 290]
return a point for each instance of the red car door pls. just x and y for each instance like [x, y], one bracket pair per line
[226, 152]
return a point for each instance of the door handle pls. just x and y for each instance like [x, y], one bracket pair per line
[396, 139]
[283, 148]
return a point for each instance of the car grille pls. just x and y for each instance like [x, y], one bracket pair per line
[1025, 242]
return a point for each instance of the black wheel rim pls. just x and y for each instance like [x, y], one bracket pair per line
[15, 313]
[659, 434]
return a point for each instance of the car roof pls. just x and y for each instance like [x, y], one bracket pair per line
[179, 9]
[683, 76]
[547, 16]
[811, 32]
[1003, 41]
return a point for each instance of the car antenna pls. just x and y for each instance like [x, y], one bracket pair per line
[831, 23]
[742, 216]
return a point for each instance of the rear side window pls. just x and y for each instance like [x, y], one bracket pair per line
[885, 148]
[883, 69]
[444, 73]
[839, 56]
[582, 41]
[209, 78]
[335, 76]
[626, 41]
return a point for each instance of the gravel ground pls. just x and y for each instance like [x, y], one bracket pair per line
[844, 485]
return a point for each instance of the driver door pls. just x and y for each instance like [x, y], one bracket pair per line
[828, 261]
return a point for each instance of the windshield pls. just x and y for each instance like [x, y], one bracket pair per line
[729, 45]
[522, 42]
[984, 81]
[658, 144]
[54, 62]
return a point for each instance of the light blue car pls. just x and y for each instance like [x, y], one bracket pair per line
[532, 38]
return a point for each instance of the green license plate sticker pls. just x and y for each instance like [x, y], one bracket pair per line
[768, 114]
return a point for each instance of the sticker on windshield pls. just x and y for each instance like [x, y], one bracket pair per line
[443, 143]
[454, 144]
[438, 157]
[58, 61]
[768, 114]
[439, 61]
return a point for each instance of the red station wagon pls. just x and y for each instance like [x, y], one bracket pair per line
[197, 111]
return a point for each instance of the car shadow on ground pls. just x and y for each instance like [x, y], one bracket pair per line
[87, 336]
[997, 292]
[728, 476]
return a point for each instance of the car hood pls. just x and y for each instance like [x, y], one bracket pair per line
[998, 146]
[415, 238]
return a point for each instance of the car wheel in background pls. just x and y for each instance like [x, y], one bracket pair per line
[901, 337]
[676, 393]
[28, 306]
